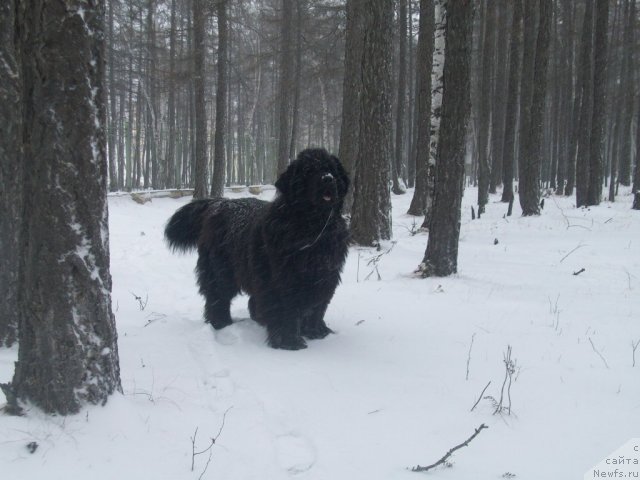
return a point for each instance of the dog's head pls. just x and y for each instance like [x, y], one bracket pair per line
[314, 178]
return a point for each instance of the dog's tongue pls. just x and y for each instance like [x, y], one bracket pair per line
[326, 198]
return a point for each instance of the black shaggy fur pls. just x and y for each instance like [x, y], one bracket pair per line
[287, 255]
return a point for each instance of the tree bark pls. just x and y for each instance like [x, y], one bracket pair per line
[598, 121]
[500, 93]
[423, 108]
[441, 256]
[199, 47]
[371, 219]
[511, 115]
[68, 343]
[285, 83]
[488, 44]
[529, 184]
[10, 176]
[399, 157]
[219, 159]
[627, 84]
[171, 167]
[352, 91]
[586, 108]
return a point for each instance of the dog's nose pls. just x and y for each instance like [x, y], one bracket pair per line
[327, 178]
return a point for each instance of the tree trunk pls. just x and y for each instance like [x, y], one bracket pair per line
[10, 175]
[423, 108]
[199, 47]
[371, 219]
[488, 44]
[437, 76]
[351, 93]
[441, 256]
[598, 121]
[285, 83]
[112, 117]
[529, 184]
[500, 94]
[171, 168]
[627, 84]
[586, 109]
[566, 93]
[68, 351]
[400, 149]
[511, 115]
[217, 182]
[636, 176]
[295, 120]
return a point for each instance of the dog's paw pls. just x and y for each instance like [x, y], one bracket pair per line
[286, 342]
[219, 324]
[316, 332]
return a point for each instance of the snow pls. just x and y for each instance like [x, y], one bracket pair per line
[387, 392]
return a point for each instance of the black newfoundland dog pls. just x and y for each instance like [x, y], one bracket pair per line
[287, 255]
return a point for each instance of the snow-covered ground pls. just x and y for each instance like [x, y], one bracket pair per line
[394, 387]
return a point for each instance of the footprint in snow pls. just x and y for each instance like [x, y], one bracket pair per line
[226, 337]
[295, 453]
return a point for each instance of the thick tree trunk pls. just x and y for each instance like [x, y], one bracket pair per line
[219, 159]
[371, 219]
[351, 92]
[586, 109]
[68, 351]
[529, 184]
[441, 256]
[423, 108]
[10, 175]
[598, 121]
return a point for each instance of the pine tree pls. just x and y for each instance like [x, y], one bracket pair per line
[10, 174]
[371, 217]
[441, 256]
[67, 338]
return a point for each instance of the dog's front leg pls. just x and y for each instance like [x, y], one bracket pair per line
[283, 321]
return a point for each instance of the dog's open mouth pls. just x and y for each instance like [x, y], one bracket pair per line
[327, 198]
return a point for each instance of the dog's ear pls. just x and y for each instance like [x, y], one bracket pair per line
[343, 177]
[283, 184]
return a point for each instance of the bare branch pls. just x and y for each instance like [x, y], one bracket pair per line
[469, 354]
[480, 397]
[599, 354]
[418, 468]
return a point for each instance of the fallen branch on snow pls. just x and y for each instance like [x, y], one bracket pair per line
[418, 468]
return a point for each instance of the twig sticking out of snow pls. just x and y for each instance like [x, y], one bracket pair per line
[599, 354]
[634, 346]
[208, 449]
[419, 468]
[510, 368]
[469, 354]
[480, 397]
[141, 303]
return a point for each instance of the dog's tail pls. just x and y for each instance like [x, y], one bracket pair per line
[184, 227]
